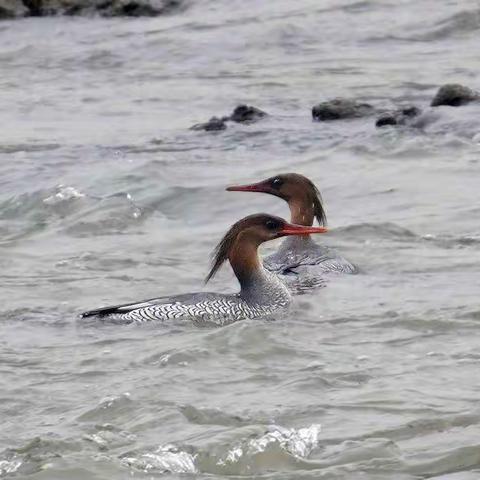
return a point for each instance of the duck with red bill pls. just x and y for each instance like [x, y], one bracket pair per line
[261, 292]
[299, 256]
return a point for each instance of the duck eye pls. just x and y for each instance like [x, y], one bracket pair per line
[272, 224]
[277, 182]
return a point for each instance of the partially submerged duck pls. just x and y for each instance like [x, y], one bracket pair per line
[299, 255]
[261, 292]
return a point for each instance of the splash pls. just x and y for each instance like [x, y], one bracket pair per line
[63, 194]
[9, 466]
[278, 447]
[298, 443]
[167, 458]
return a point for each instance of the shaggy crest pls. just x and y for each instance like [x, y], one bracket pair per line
[318, 209]
[314, 194]
[222, 250]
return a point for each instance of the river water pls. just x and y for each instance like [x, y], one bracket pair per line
[107, 197]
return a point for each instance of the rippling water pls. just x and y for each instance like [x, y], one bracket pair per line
[106, 197]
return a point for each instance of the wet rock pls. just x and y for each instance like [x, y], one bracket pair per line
[214, 124]
[454, 95]
[246, 114]
[340, 108]
[401, 116]
[35, 7]
[410, 111]
[12, 9]
[104, 8]
[388, 118]
[241, 114]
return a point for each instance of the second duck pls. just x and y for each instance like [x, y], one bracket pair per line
[299, 255]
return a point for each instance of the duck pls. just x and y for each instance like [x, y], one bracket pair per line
[300, 255]
[261, 291]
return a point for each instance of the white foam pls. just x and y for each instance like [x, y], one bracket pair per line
[9, 466]
[298, 443]
[109, 402]
[63, 194]
[167, 458]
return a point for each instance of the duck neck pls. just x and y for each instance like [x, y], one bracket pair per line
[301, 211]
[256, 284]
[244, 261]
[297, 243]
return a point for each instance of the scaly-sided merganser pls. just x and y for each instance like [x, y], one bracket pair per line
[299, 255]
[261, 292]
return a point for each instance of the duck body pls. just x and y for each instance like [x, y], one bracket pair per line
[261, 292]
[264, 296]
[303, 256]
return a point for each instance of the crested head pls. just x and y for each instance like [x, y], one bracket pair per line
[255, 229]
[239, 245]
[298, 191]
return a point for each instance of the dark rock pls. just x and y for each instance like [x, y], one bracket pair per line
[340, 108]
[214, 124]
[246, 114]
[387, 118]
[454, 95]
[401, 116]
[104, 8]
[241, 114]
[35, 7]
[410, 111]
[12, 9]
[139, 8]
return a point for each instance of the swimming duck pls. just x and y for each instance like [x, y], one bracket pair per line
[261, 292]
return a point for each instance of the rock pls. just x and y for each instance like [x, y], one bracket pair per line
[454, 95]
[401, 116]
[387, 118]
[241, 114]
[12, 9]
[246, 114]
[410, 111]
[340, 108]
[35, 7]
[214, 124]
[104, 8]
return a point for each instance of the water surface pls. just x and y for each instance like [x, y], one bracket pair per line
[107, 197]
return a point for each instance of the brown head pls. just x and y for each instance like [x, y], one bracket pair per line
[241, 242]
[299, 192]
